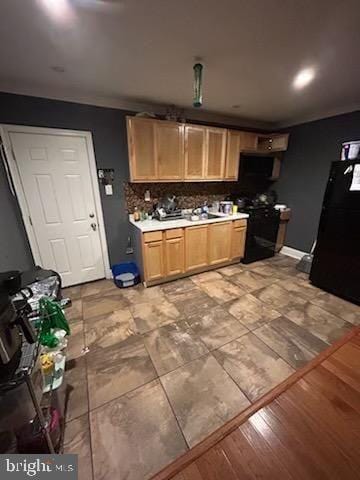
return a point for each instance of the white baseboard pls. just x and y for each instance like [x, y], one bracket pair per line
[292, 252]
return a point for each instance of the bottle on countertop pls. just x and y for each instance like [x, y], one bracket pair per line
[136, 214]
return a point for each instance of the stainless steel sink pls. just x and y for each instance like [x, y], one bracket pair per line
[209, 217]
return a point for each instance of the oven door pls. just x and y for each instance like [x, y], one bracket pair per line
[261, 235]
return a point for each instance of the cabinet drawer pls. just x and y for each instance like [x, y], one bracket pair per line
[174, 233]
[152, 236]
[240, 223]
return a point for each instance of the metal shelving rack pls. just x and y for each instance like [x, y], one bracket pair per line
[29, 356]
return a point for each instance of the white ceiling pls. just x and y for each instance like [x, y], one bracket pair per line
[127, 52]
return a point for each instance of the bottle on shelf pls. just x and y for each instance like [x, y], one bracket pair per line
[136, 214]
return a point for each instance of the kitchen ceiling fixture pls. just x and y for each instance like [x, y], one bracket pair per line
[197, 102]
[62, 10]
[303, 78]
[100, 5]
[57, 9]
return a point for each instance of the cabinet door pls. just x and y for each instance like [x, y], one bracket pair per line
[169, 150]
[280, 142]
[232, 155]
[238, 238]
[174, 256]
[219, 242]
[141, 145]
[276, 142]
[154, 260]
[248, 141]
[196, 247]
[215, 153]
[195, 152]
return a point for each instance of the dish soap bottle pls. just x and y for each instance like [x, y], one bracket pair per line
[136, 214]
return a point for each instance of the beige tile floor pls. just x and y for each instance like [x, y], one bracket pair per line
[169, 364]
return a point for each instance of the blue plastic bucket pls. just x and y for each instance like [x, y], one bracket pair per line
[125, 274]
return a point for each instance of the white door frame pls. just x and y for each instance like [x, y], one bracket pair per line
[5, 131]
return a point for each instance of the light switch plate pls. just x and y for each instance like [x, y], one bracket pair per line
[108, 189]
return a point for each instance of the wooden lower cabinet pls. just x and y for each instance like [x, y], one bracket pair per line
[175, 258]
[238, 238]
[178, 252]
[219, 245]
[196, 252]
[154, 260]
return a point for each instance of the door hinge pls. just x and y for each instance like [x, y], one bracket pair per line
[30, 221]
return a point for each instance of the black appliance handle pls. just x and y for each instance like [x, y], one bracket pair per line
[29, 292]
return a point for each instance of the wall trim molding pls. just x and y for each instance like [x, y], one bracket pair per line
[132, 105]
[292, 252]
[323, 115]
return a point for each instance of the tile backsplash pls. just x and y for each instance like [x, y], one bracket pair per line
[189, 195]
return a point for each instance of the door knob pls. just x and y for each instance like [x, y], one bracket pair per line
[93, 226]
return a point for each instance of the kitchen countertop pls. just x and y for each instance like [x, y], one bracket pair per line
[154, 225]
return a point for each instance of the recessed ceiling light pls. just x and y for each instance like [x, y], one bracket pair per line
[303, 78]
[57, 9]
[58, 69]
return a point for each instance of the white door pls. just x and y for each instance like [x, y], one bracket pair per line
[55, 176]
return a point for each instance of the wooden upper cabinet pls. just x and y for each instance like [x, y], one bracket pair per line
[219, 242]
[169, 147]
[274, 142]
[215, 153]
[162, 151]
[248, 141]
[141, 143]
[195, 152]
[232, 155]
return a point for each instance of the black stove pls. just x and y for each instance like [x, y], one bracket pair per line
[261, 234]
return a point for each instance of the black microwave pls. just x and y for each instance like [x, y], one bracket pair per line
[256, 167]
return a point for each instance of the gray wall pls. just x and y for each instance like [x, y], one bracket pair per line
[312, 147]
[109, 136]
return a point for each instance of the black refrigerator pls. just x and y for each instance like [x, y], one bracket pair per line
[336, 263]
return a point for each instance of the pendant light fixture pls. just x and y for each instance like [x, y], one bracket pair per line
[197, 101]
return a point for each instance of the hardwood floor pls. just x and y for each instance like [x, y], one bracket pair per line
[310, 431]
